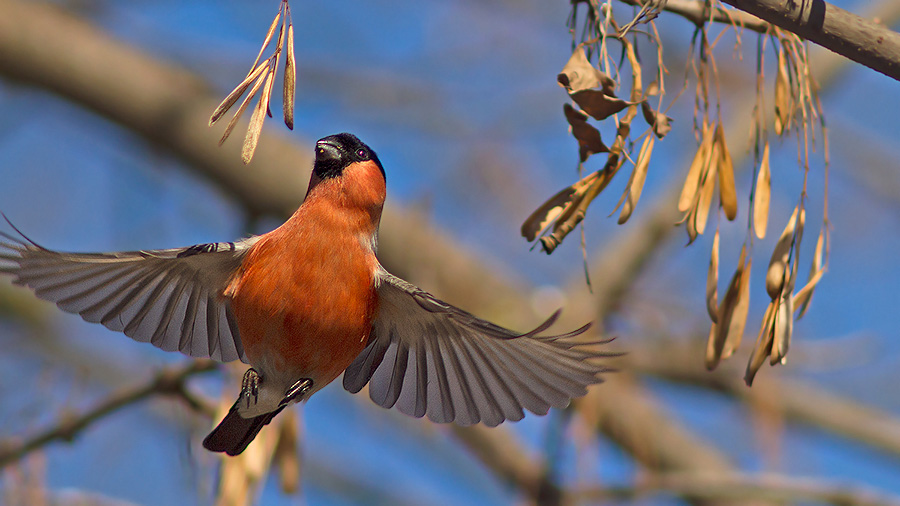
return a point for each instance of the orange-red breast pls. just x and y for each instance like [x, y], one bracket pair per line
[309, 301]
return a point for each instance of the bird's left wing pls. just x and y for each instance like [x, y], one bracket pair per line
[171, 298]
[430, 358]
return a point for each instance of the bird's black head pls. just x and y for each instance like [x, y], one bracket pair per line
[335, 152]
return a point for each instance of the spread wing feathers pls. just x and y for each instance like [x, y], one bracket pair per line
[171, 298]
[430, 358]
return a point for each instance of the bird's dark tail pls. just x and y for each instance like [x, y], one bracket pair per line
[235, 432]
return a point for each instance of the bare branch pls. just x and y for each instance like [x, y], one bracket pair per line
[724, 486]
[796, 400]
[168, 382]
[861, 40]
[696, 12]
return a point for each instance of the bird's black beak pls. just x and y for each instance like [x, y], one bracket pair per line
[327, 152]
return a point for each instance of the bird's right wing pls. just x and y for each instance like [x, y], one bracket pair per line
[171, 298]
[430, 358]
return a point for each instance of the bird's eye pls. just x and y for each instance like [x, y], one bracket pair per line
[361, 153]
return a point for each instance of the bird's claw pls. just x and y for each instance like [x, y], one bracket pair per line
[250, 386]
[296, 391]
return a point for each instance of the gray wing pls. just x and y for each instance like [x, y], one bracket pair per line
[430, 358]
[171, 298]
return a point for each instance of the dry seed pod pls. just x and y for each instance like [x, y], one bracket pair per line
[712, 281]
[638, 176]
[762, 195]
[804, 295]
[712, 355]
[778, 264]
[260, 79]
[266, 41]
[727, 193]
[763, 345]
[691, 224]
[739, 314]
[700, 162]
[290, 78]
[784, 325]
[707, 190]
[783, 100]
[733, 310]
[256, 120]
[235, 94]
[798, 238]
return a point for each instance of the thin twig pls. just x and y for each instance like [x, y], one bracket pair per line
[168, 381]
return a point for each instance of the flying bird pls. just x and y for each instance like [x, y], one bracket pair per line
[309, 301]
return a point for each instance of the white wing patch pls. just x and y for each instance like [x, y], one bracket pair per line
[171, 298]
[429, 358]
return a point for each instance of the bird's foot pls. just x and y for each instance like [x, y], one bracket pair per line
[250, 386]
[296, 391]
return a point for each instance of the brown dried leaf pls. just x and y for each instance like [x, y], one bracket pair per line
[712, 282]
[804, 295]
[784, 325]
[784, 106]
[579, 74]
[550, 210]
[700, 162]
[235, 94]
[588, 137]
[572, 214]
[727, 193]
[240, 112]
[657, 120]
[763, 345]
[599, 105]
[638, 176]
[256, 120]
[762, 195]
[290, 78]
[775, 275]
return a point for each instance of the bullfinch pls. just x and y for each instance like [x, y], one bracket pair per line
[309, 301]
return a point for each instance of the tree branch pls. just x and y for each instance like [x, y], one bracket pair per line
[724, 486]
[861, 40]
[796, 400]
[168, 382]
[696, 12]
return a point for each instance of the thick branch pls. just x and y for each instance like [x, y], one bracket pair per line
[861, 40]
[723, 486]
[169, 381]
[796, 400]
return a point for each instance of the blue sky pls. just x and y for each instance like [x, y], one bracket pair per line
[435, 88]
